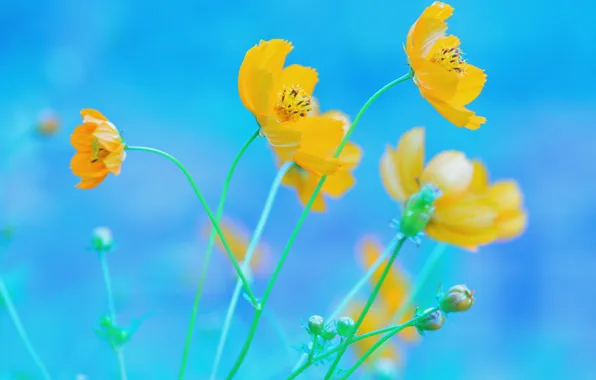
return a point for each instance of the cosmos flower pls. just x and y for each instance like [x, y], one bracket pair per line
[238, 239]
[466, 214]
[444, 78]
[392, 295]
[280, 99]
[338, 183]
[99, 149]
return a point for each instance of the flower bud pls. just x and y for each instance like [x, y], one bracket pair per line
[458, 298]
[345, 326]
[105, 321]
[101, 239]
[328, 333]
[316, 324]
[418, 211]
[431, 322]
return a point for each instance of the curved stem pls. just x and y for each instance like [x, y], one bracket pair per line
[207, 257]
[108, 283]
[246, 263]
[380, 342]
[425, 272]
[302, 218]
[392, 330]
[249, 292]
[367, 307]
[5, 295]
[356, 288]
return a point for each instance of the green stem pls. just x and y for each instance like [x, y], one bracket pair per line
[367, 307]
[425, 272]
[302, 218]
[390, 330]
[108, 282]
[380, 342]
[356, 288]
[249, 292]
[246, 263]
[5, 295]
[207, 257]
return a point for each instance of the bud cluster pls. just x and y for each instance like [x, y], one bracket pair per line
[457, 299]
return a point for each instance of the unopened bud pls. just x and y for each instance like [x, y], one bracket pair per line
[432, 321]
[329, 333]
[345, 326]
[316, 324]
[458, 298]
[101, 239]
[418, 211]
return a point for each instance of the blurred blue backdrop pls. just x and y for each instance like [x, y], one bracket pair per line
[166, 74]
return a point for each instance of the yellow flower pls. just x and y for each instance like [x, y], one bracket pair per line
[444, 78]
[100, 149]
[238, 239]
[392, 295]
[469, 213]
[337, 183]
[48, 125]
[280, 99]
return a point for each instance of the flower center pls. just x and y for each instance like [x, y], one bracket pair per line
[99, 153]
[292, 104]
[451, 59]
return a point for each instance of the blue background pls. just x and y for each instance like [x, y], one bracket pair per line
[166, 74]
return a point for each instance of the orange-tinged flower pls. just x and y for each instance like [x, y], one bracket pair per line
[462, 216]
[280, 99]
[238, 239]
[444, 78]
[338, 183]
[100, 149]
[48, 125]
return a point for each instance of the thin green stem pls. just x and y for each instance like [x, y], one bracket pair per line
[356, 288]
[302, 218]
[207, 257]
[105, 270]
[5, 295]
[367, 307]
[246, 263]
[380, 342]
[311, 355]
[245, 282]
[391, 330]
[425, 272]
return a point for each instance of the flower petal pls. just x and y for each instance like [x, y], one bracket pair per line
[320, 139]
[82, 137]
[401, 168]
[338, 115]
[114, 160]
[434, 81]
[480, 177]
[83, 165]
[512, 224]
[92, 116]
[350, 156]
[338, 183]
[507, 195]
[297, 76]
[469, 86]
[108, 137]
[451, 172]
[458, 115]
[90, 182]
[428, 28]
[284, 139]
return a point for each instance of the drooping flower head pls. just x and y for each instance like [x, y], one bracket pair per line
[100, 149]
[466, 214]
[338, 183]
[281, 100]
[444, 78]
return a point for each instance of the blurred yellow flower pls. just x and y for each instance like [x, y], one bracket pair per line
[444, 78]
[48, 125]
[470, 213]
[238, 239]
[392, 295]
[337, 183]
[100, 149]
[280, 99]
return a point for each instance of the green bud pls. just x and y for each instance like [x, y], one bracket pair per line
[316, 324]
[345, 326]
[458, 298]
[329, 333]
[431, 322]
[101, 239]
[105, 321]
[418, 211]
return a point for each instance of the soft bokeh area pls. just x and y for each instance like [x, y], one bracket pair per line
[166, 74]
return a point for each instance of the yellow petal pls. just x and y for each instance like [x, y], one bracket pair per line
[479, 178]
[468, 214]
[306, 188]
[83, 165]
[469, 86]
[458, 115]
[82, 137]
[319, 141]
[451, 172]
[92, 116]
[108, 136]
[428, 28]
[465, 240]
[512, 224]
[283, 139]
[338, 183]
[114, 160]
[338, 115]
[315, 107]
[350, 156]
[506, 194]
[257, 94]
[297, 76]
[434, 81]
[316, 164]
[90, 183]
[401, 168]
